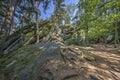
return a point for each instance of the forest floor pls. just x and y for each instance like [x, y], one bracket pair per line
[106, 65]
[51, 62]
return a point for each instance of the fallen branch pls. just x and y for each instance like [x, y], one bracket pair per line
[72, 49]
[65, 58]
[114, 75]
[28, 41]
[11, 46]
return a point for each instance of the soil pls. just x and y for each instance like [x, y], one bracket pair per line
[106, 65]
[49, 61]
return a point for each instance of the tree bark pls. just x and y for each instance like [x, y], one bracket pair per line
[116, 41]
[36, 27]
[86, 35]
[7, 23]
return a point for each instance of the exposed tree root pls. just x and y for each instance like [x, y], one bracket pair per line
[114, 75]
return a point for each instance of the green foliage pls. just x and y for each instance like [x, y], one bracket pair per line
[99, 17]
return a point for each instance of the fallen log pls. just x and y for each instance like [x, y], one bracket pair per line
[13, 46]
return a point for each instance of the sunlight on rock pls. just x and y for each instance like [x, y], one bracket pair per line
[41, 48]
[76, 48]
[70, 65]
[90, 66]
[110, 79]
[10, 64]
[103, 65]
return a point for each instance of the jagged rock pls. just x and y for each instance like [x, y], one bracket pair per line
[42, 61]
[30, 63]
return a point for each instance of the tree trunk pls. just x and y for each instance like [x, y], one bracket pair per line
[86, 35]
[36, 27]
[7, 23]
[116, 41]
[105, 41]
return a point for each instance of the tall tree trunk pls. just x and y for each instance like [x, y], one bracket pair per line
[7, 23]
[86, 35]
[116, 41]
[105, 40]
[36, 27]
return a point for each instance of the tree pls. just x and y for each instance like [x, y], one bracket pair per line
[14, 10]
[7, 22]
[111, 10]
[37, 26]
[100, 16]
[70, 11]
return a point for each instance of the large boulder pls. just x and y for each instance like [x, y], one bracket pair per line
[25, 63]
[41, 61]
[44, 61]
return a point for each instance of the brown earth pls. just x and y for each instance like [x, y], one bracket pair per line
[106, 65]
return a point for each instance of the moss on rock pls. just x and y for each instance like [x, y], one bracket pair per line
[25, 63]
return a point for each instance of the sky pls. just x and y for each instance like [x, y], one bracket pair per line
[50, 9]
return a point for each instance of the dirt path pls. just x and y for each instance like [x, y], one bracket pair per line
[55, 62]
[106, 65]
